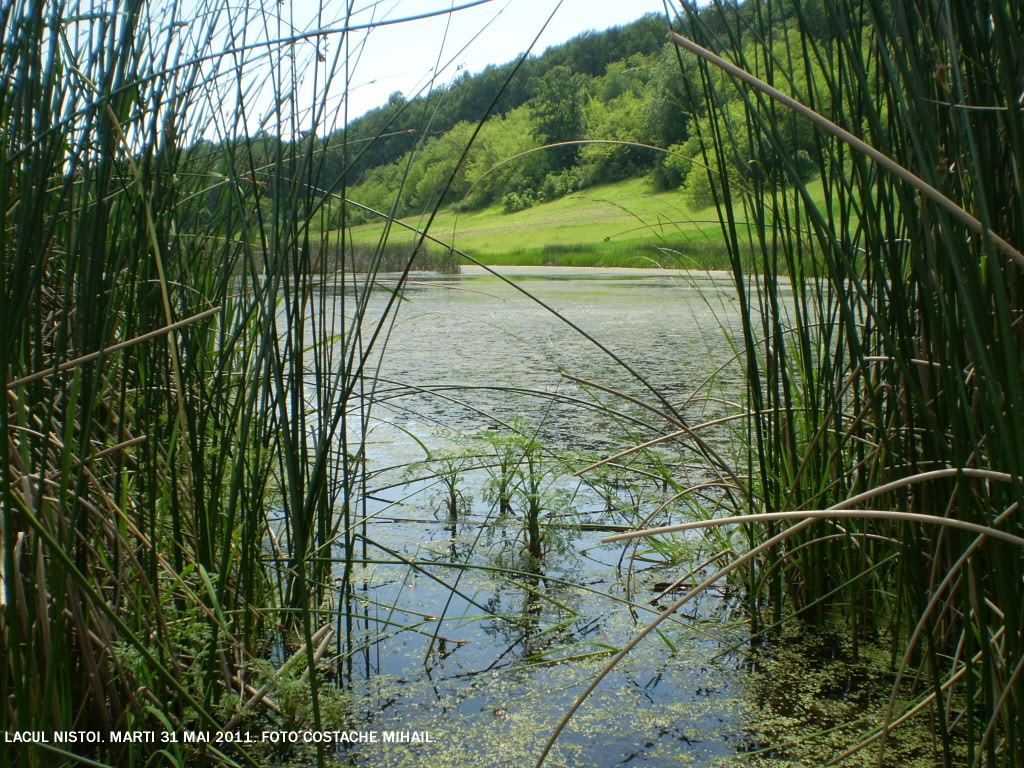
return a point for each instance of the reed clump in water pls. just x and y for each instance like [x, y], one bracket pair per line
[897, 377]
[175, 451]
[884, 378]
[391, 256]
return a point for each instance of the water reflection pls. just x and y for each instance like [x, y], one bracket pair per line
[523, 601]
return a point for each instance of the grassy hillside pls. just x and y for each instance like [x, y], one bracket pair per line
[623, 224]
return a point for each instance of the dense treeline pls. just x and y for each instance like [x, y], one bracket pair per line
[630, 102]
[619, 113]
[468, 97]
[623, 89]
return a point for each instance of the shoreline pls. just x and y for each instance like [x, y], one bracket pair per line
[472, 270]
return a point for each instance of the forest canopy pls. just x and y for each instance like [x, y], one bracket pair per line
[602, 107]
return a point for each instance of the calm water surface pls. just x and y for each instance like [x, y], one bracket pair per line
[469, 353]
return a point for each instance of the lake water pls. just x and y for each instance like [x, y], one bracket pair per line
[470, 655]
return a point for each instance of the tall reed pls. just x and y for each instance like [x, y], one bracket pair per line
[881, 342]
[179, 467]
[894, 348]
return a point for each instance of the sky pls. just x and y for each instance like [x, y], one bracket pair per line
[402, 57]
[291, 67]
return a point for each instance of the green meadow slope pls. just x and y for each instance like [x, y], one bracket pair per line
[621, 224]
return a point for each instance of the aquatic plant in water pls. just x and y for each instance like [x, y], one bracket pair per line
[884, 379]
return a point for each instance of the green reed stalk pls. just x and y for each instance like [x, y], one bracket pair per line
[178, 386]
[894, 348]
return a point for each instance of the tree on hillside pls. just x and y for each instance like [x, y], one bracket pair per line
[591, 52]
[498, 171]
[557, 110]
[380, 136]
[468, 96]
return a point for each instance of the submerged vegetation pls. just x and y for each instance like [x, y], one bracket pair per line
[883, 457]
[188, 465]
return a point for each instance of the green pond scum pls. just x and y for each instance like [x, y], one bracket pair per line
[789, 702]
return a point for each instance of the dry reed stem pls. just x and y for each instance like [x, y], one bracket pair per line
[321, 638]
[747, 557]
[915, 635]
[824, 514]
[113, 348]
[708, 451]
[696, 569]
[742, 560]
[990, 728]
[673, 435]
[686, 491]
[909, 713]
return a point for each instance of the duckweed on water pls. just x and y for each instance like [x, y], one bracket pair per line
[785, 703]
[808, 700]
[503, 720]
